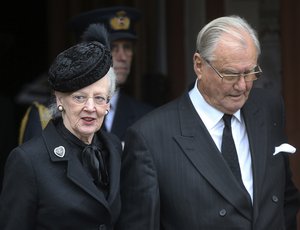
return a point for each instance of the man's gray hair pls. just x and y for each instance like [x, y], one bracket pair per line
[210, 35]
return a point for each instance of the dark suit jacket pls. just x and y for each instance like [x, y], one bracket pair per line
[128, 111]
[44, 191]
[174, 177]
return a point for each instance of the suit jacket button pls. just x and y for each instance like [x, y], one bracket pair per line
[222, 212]
[275, 198]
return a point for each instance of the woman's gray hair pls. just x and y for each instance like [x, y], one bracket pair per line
[112, 81]
[210, 35]
[54, 112]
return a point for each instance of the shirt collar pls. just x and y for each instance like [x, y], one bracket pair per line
[209, 115]
[114, 99]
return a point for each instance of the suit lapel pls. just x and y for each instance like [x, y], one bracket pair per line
[257, 134]
[200, 148]
[77, 174]
[114, 167]
[121, 118]
[75, 171]
[124, 115]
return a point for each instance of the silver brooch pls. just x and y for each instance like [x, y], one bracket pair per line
[59, 151]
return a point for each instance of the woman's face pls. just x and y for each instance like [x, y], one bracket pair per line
[84, 109]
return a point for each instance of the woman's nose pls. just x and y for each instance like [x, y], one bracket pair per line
[90, 103]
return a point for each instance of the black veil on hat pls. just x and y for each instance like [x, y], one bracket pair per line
[119, 22]
[82, 64]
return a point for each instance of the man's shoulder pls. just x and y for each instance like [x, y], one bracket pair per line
[266, 99]
[264, 94]
[134, 103]
[167, 110]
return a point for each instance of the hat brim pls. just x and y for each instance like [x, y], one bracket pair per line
[121, 36]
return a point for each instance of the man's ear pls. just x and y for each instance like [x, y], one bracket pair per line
[197, 64]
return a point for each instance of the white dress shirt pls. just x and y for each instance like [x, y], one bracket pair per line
[212, 119]
[110, 116]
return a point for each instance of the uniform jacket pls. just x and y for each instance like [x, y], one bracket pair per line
[128, 111]
[44, 191]
[174, 177]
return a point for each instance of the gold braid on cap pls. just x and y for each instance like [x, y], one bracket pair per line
[120, 21]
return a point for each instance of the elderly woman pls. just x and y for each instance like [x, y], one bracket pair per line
[68, 178]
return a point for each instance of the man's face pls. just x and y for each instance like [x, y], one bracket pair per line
[122, 52]
[230, 58]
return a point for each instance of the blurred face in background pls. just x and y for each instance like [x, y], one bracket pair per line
[122, 52]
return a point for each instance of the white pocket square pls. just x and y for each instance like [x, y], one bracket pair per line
[284, 148]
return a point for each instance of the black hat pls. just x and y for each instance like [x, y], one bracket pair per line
[119, 21]
[79, 66]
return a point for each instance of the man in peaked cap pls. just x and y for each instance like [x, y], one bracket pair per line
[120, 22]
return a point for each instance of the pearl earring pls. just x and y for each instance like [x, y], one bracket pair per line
[60, 108]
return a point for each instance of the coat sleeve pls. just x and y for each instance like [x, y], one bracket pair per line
[292, 200]
[18, 203]
[292, 196]
[139, 187]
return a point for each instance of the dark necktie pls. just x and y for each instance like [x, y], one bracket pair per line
[228, 149]
[94, 162]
